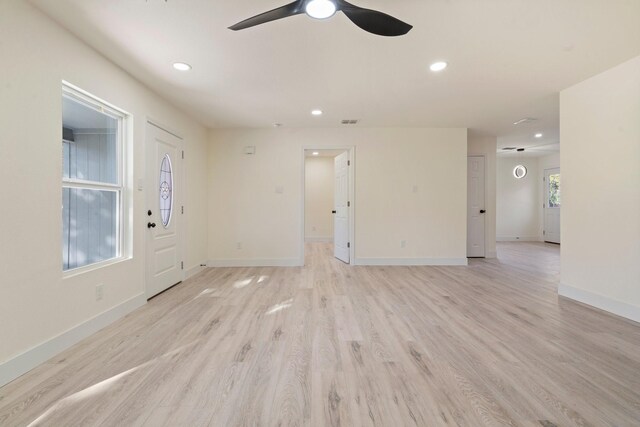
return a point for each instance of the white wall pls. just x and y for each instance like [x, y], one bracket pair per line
[39, 310]
[319, 183]
[600, 134]
[518, 200]
[486, 146]
[548, 162]
[410, 184]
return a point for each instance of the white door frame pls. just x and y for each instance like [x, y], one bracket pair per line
[351, 149]
[147, 186]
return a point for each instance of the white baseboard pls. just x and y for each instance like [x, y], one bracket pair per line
[283, 262]
[193, 271]
[410, 261]
[619, 308]
[319, 239]
[23, 363]
[518, 239]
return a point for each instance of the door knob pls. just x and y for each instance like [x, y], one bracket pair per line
[333, 212]
[482, 211]
[151, 225]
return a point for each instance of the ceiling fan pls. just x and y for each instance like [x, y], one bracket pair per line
[369, 20]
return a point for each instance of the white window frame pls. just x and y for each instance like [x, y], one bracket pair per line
[90, 101]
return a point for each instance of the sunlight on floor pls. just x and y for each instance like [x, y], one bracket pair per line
[105, 385]
[88, 392]
[242, 283]
[279, 307]
[205, 292]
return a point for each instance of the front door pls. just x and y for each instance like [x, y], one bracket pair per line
[475, 207]
[552, 205]
[164, 210]
[341, 244]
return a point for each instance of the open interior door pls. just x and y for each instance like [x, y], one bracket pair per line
[341, 245]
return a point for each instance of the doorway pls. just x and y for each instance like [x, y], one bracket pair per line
[475, 207]
[551, 205]
[163, 218]
[328, 202]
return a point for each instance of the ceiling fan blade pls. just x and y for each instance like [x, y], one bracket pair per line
[291, 9]
[373, 21]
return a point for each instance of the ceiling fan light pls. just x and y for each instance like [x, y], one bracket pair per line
[320, 9]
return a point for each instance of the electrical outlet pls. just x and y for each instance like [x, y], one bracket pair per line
[239, 245]
[403, 243]
[99, 292]
[313, 228]
[415, 188]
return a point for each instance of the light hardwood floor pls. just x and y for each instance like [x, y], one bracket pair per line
[330, 344]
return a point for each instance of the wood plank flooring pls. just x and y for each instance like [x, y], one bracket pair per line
[490, 344]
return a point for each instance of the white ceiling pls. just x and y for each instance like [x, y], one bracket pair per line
[508, 60]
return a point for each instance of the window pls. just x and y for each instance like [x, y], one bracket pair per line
[166, 190]
[554, 190]
[92, 180]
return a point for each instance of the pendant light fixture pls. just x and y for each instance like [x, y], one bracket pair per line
[520, 171]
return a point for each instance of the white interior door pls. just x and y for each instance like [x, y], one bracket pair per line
[552, 205]
[164, 215]
[475, 207]
[341, 243]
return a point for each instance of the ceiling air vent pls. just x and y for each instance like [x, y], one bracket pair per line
[349, 122]
[525, 120]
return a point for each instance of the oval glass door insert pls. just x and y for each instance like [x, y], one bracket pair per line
[166, 190]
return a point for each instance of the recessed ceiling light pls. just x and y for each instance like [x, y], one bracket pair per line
[181, 66]
[438, 66]
[320, 9]
[538, 135]
[277, 125]
[316, 112]
[315, 153]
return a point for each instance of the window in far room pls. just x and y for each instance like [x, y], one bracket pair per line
[554, 190]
